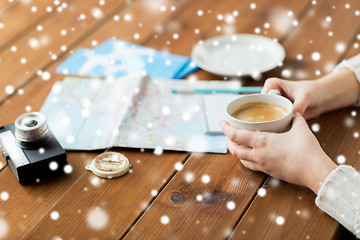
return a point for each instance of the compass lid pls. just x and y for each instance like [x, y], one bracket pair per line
[109, 165]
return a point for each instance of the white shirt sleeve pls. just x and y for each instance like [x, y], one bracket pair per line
[339, 197]
[352, 64]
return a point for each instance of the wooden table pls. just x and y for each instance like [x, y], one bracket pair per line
[36, 36]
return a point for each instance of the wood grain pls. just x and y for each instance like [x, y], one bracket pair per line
[217, 166]
[134, 205]
[296, 204]
[7, 5]
[101, 208]
[197, 208]
[63, 29]
[72, 197]
[24, 17]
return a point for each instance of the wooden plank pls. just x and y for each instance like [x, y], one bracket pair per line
[150, 171]
[38, 49]
[288, 203]
[321, 31]
[7, 5]
[272, 19]
[204, 200]
[26, 205]
[104, 209]
[191, 218]
[23, 17]
[35, 47]
[296, 204]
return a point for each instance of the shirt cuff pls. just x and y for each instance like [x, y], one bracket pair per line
[352, 64]
[339, 197]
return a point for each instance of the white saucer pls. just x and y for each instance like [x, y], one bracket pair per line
[238, 55]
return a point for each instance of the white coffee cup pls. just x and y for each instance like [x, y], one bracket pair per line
[273, 97]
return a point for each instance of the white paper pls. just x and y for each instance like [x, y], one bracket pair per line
[214, 109]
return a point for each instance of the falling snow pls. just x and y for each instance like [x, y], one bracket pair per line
[349, 122]
[315, 56]
[340, 47]
[68, 169]
[205, 179]
[231, 205]
[280, 220]
[341, 159]
[127, 17]
[95, 181]
[4, 196]
[70, 139]
[315, 127]
[85, 113]
[116, 18]
[54, 215]
[166, 110]
[164, 219]
[262, 192]
[45, 76]
[53, 166]
[178, 166]
[158, 151]
[286, 73]
[154, 192]
[34, 43]
[97, 218]
[9, 89]
[97, 13]
[189, 177]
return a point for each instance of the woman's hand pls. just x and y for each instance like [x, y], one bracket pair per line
[313, 97]
[294, 156]
[305, 95]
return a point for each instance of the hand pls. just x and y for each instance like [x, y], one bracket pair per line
[313, 97]
[305, 95]
[294, 156]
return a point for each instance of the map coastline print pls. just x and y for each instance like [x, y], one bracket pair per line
[132, 111]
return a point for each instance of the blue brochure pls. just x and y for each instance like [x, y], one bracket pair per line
[115, 58]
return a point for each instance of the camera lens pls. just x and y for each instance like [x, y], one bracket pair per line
[31, 123]
[31, 127]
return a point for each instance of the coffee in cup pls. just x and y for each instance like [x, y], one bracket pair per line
[261, 112]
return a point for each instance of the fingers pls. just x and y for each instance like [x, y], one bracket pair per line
[272, 83]
[239, 136]
[243, 154]
[299, 123]
[250, 165]
[301, 102]
[239, 151]
[311, 113]
[287, 89]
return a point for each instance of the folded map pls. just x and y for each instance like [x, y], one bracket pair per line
[132, 111]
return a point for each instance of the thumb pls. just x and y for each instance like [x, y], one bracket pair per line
[299, 106]
[298, 121]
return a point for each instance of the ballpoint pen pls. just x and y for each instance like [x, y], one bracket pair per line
[217, 90]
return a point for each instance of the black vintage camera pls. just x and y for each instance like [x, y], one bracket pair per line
[30, 148]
